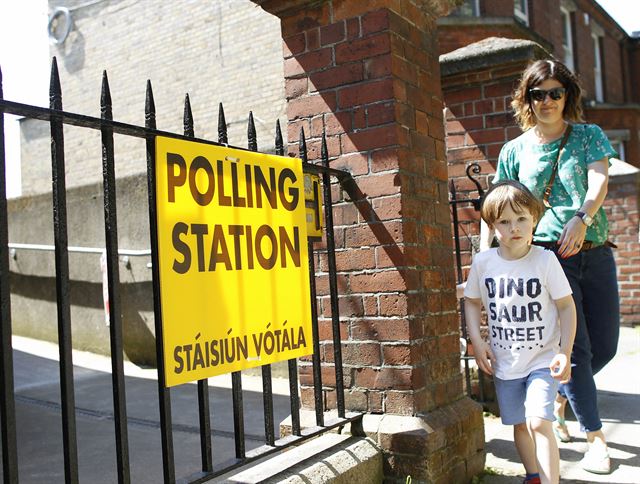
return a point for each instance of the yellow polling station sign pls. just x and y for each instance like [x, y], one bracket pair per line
[232, 249]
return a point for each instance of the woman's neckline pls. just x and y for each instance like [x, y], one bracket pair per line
[541, 140]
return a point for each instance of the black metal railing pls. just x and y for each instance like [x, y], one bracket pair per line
[454, 202]
[57, 118]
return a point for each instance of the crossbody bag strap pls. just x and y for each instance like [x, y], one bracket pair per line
[554, 170]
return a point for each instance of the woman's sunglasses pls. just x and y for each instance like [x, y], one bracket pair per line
[539, 94]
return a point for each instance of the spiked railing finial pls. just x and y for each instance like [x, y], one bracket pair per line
[251, 133]
[279, 142]
[222, 126]
[187, 119]
[303, 146]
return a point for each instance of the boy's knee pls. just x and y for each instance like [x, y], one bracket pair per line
[537, 425]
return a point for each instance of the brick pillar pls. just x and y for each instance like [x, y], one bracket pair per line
[366, 72]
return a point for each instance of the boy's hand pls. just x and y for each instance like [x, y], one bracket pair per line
[560, 367]
[484, 357]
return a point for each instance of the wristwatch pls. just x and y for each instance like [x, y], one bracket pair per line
[585, 217]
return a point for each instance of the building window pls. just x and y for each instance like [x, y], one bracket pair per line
[469, 8]
[567, 39]
[618, 145]
[597, 68]
[521, 11]
[618, 137]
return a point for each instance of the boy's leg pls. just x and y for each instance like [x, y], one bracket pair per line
[540, 395]
[546, 449]
[511, 396]
[525, 447]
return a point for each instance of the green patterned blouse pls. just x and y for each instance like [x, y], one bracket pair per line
[526, 160]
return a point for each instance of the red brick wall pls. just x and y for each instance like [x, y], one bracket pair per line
[583, 54]
[612, 68]
[545, 20]
[370, 80]
[634, 71]
[622, 206]
[478, 122]
[496, 8]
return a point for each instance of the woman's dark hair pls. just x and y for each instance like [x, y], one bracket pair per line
[538, 72]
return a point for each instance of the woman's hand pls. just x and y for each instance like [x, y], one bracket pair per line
[572, 237]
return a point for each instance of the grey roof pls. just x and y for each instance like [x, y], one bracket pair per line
[490, 52]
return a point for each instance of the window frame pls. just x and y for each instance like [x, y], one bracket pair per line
[598, 79]
[521, 15]
[475, 9]
[569, 54]
[618, 145]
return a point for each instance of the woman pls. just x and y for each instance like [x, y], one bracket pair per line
[547, 105]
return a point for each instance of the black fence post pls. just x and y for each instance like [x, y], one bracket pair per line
[294, 399]
[267, 391]
[236, 376]
[317, 368]
[164, 394]
[7, 401]
[333, 279]
[113, 277]
[453, 202]
[203, 385]
[62, 281]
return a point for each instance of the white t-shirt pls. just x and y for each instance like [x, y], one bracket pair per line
[518, 296]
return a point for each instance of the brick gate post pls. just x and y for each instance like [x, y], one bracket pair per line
[366, 72]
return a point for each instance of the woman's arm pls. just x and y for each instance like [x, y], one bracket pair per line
[597, 184]
[574, 231]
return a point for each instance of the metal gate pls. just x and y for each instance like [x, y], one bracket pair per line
[474, 202]
[57, 118]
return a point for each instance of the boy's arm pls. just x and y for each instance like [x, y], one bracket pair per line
[481, 351]
[561, 363]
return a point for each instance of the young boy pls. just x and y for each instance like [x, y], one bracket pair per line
[532, 320]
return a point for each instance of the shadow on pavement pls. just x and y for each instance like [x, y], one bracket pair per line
[39, 426]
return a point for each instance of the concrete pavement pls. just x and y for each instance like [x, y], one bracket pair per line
[619, 403]
[40, 442]
[39, 427]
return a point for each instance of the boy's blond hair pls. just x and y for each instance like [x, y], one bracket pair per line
[518, 196]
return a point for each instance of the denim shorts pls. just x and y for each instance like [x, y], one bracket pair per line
[526, 397]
